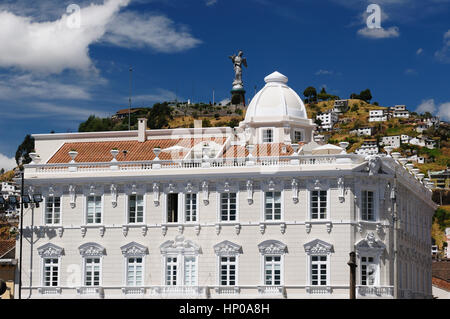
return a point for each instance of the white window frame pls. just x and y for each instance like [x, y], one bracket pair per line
[310, 208]
[127, 264]
[361, 208]
[86, 208]
[53, 210]
[376, 200]
[376, 262]
[177, 265]
[281, 269]
[273, 206]
[50, 251]
[318, 247]
[197, 208]
[58, 264]
[127, 208]
[134, 250]
[85, 273]
[272, 248]
[219, 207]
[265, 138]
[180, 264]
[327, 263]
[228, 263]
[227, 249]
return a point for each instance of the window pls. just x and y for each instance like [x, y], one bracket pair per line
[171, 271]
[52, 210]
[92, 272]
[172, 208]
[367, 206]
[318, 204]
[368, 271]
[272, 270]
[94, 210]
[135, 209]
[190, 271]
[134, 271]
[318, 270]
[228, 271]
[228, 207]
[51, 272]
[298, 136]
[268, 136]
[191, 208]
[272, 206]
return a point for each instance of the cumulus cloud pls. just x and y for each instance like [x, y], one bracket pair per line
[52, 47]
[7, 163]
[132, 30]
[160, 95]
[442, 110]
[443, 54]
[379, 33]
[210, 3]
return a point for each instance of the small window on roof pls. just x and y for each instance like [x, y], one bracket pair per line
[268, 136]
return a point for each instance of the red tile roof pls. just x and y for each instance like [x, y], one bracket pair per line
[6, 246]
[94, 152]
[275, 149]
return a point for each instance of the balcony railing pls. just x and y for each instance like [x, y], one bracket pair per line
[49, 290]
[224, 290]
[274, 161]
[90, 291]
[271, 290]
[182, 291]
[374, 291]
[133, 291]
[318, 290]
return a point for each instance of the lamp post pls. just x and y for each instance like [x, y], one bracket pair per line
[352, 264]
[21, 202]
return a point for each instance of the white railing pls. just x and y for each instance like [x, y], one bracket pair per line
[192, 291]
[274, 161]
[227, 290]
[318, 290]
[133, 290]
[49, 290]
[90, 291]
[376, 291]
[271, 290]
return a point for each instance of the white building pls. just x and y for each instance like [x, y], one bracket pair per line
[378, 116]
[363, 131]
[218, 213]
[421, 127]
[9, 189]
[328, 119]
[394, 141]
[369, 147]
[340, 106]
[400, 111]
[405, 139]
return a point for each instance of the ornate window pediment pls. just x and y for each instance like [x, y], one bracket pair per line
[318, 247]
[180, 246]
[50, 250]
[370, 245]
[92, 250]
[134, 249]
[227, 248]
[269, 247]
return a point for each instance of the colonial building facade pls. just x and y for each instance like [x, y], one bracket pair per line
[222, 213]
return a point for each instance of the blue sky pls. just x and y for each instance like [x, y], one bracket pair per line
[54, 74]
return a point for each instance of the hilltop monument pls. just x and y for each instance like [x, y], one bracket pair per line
[238, 92]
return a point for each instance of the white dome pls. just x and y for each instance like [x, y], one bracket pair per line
[275, 100]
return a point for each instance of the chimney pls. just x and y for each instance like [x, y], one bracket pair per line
[142, 130]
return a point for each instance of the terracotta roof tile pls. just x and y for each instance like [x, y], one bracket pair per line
[275, 149]
[94, 152]
[6, 246]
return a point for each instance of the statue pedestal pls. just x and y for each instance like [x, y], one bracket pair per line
[238, 96]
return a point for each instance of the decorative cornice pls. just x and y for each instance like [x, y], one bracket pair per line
[318, 247]
[92, 250]
[50, 250]
[227, 248]
[180, 246]
[275, 247]
[134, 249]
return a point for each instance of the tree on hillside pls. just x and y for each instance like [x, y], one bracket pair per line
[355, 96]
[366, 95]
[160, 115]
[96, 124]
[24, 149]
[310, 94]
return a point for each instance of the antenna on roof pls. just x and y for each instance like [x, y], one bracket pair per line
[129, 110]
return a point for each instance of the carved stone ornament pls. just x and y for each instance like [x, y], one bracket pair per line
[283, 228]
[144, 230]
[164, 230]
[125, 230]
[227, 248]
[172, 188]
[238, 229]
[226, 187]
[113, 195]
[134, 249]
[197, 229]
[262, 228]
[60, 231]
[156, 194]
[374, 164]
[308, 227]
[205, 190]
[269, 247]
[250, 192]
[294, 185]
[318, 247]
[50, 251]
[341, 189]
[329, 227]
[72, 195]
[83, 231]
[179, 246]
[218, 229]
[91, 250]
[271, 186]
[189, 188]
[102, 230]
[180, 229]
[370, 245]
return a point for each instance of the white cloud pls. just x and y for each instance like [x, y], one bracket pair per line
[210, 3]
[379, 33]
[443, 54]
[132, 30]
[7, 163]
[52, 47]
[419, 51]
[442, 110]
[161, 95]
[410, 72]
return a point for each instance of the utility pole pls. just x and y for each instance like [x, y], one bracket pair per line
[22, 173]
[395, 224]
[352, 264]
[129, 110]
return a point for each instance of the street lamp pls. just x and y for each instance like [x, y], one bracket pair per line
[21, 202]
